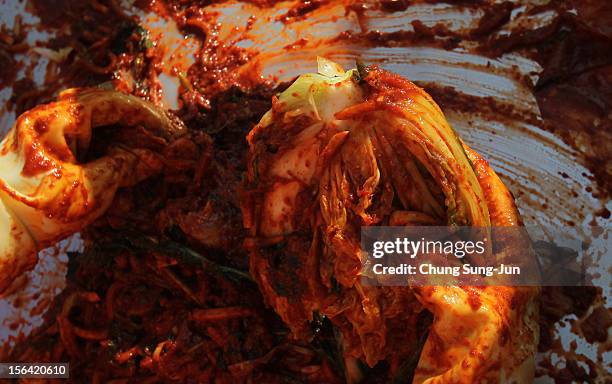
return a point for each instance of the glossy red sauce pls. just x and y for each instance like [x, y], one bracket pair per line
[573, 94]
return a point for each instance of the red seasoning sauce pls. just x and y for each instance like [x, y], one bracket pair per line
[179, 306]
